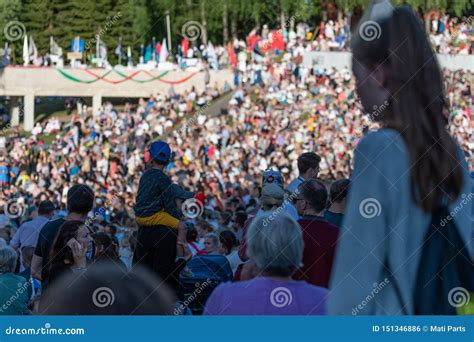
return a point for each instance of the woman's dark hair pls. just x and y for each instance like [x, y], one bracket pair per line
[105, 289]
[228, 240]
[109, 250]
[338, 190]
[61, 252]
[417, 108]
[240, 217]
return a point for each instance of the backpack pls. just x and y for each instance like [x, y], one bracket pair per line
[203, 273]
[445, 280]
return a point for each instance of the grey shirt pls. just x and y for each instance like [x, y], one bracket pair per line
[383, 223]
[27, 234]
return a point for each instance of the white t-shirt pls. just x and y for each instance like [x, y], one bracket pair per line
[194, 245]
[234, 260]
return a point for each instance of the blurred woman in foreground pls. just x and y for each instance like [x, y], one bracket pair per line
[404, 173]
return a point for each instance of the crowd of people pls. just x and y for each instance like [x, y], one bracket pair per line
[279, 156]
[448, 35]
[452, 35]
[224, 155]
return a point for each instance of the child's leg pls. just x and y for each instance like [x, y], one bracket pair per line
[182, 232]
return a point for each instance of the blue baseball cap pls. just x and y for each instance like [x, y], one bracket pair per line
[161, 151]
[272, 176]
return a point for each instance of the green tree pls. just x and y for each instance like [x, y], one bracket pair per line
[9, 14]
[138, 21]
[455, 7]
[38, 19]
[72, 18]
[133, 27]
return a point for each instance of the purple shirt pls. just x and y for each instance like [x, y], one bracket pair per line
[27, 234]
[267, 296]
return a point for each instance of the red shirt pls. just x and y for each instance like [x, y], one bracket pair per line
[320, 239]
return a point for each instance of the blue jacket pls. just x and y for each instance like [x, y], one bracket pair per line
[383, 222]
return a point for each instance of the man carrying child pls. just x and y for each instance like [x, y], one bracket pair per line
[161, 236]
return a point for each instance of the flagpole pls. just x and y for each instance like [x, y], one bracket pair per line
[97, 47]
[120, 51]
[168, 28]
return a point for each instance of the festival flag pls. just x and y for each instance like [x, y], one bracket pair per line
[142, 51]
[164, 52]
[154, 56]
[278, 41]
[184, 46]
[5, 52]
[26, 56]
[232, 56]
[54, 48]
[119, 51]
[158, 49]
[148, 53]
[212, 56]
[32, 50]
[77, 45]
[129, 57]
[252, 39]
[101, 50]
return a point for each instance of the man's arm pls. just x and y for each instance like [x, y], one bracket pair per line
[37, 260]
[15, 242]
[36, 266]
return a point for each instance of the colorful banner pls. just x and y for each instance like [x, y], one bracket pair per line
[125, 77]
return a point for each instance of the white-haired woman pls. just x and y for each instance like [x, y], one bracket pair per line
[14, 289]
[275, 245]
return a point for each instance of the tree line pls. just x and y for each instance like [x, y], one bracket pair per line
[141, 20]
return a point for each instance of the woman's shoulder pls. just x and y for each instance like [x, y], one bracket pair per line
[382, 148]
[308, 288]
[382, 139]
[388, 140]
[12, 278]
